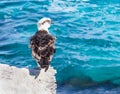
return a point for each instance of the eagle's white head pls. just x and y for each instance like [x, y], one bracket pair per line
[44, 24]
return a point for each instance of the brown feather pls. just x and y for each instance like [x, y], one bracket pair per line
[42, 46]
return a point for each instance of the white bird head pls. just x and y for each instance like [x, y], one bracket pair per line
[44, 23]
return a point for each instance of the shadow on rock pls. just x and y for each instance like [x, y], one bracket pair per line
[35, 72]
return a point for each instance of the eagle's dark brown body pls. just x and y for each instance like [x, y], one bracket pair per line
[42, 46]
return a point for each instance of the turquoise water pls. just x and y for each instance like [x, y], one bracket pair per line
[88, 41]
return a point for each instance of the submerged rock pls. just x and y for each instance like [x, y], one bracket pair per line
[26, 81]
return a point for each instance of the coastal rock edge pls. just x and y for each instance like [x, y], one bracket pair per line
[15, 80]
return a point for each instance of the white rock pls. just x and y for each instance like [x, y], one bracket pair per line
[26, 81]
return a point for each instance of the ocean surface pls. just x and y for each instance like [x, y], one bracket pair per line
[87, 56]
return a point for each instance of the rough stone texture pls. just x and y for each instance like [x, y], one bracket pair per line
[26, 81]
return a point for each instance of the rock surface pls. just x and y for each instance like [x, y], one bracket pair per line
[26, 81]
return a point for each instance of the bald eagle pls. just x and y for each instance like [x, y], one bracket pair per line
[42, 44]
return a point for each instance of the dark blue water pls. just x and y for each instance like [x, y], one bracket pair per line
[88, 41]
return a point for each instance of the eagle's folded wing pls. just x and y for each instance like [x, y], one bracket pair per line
[42, 47]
